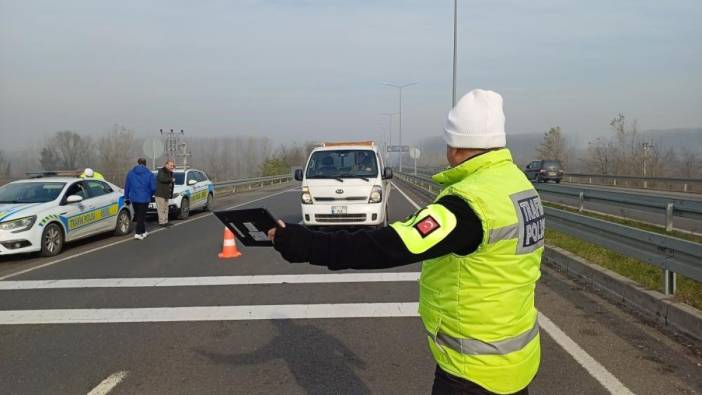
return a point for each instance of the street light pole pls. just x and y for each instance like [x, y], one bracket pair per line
[389, 115]
[455, 45]
[399, 88]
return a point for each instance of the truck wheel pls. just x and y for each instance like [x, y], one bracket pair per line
[51, 240]
[184, 211]
[124, 223]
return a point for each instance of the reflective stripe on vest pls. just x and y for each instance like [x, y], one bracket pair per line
[504, 233]
[477, 347]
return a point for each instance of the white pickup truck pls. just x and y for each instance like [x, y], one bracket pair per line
[344, 184]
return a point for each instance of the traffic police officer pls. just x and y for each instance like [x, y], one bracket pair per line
[90, 173]
[481, 241]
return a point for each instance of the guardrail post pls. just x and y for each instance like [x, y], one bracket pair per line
[645, 184]
[614, 182]
[669, 217]
[581, 201]
[589, 180]
[669, 282]
[684, 187]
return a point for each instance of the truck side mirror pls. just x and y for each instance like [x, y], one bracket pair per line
[298, 174]
[387, 173]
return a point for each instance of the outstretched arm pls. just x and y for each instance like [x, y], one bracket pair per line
[447, 226]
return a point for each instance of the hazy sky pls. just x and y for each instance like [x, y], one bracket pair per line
[308, 70]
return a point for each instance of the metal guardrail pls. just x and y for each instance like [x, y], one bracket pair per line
[671, 254]
[657, 183]
[672, 207]
[250, 183]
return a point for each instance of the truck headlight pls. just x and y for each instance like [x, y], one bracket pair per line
[18, 225]
[376, 195]
[306, 197]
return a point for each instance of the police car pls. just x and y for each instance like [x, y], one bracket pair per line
[41, 214]
[192, 190]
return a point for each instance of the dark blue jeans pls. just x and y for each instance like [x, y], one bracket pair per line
[140, 217]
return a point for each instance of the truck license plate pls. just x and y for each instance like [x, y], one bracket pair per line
[338, 210]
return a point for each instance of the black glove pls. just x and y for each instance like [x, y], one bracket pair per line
[293, 242]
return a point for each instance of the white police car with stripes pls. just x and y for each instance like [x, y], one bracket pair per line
[192, 190]
[41, 214]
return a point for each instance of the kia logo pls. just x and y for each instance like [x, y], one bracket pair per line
[339, 191]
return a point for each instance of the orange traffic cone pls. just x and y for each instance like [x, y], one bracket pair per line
[229, 249]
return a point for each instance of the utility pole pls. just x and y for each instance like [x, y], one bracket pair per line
[399, 88]
[455, 51]
[173, 146]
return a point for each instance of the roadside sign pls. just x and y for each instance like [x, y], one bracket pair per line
[414, 153]
[153, 149]
[398, 148]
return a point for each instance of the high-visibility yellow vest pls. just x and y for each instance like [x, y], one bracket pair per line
[479, 309]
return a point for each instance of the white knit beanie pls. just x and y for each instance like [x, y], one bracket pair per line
[477, 121]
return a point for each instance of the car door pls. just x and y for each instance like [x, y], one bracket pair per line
[104, 204]
[76, 216]
[199, 189]
[529, 170]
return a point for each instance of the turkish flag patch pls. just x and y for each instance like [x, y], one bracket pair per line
[426, 226]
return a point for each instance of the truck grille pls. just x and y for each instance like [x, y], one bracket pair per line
[340, 199]
[339, 218]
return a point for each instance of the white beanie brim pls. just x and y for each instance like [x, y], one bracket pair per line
[458, 140]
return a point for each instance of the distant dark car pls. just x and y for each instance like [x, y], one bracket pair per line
[544, 171]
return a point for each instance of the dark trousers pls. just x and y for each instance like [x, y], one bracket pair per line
[140, 217]
[448, 384]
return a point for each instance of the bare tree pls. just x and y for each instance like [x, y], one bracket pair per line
[116, 151]
[600, 157]
[5, 168]
[553, 146]
[66, 150]
[689, 164]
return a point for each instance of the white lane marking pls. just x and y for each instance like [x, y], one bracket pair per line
[208, 281]
[412, 202]
[108, 384]
[130, 238]
[596, 370]
[208, 313]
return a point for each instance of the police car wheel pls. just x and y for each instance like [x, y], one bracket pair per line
[124, 223]
[210, 203]
[51, 240]
[184, 211]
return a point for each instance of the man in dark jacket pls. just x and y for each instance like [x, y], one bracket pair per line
[138, 189]
[164, 191]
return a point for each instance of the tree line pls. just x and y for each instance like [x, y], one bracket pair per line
[114, 153]
[626, 152]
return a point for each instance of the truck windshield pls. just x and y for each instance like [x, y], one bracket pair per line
[30, 192]
[343, 164]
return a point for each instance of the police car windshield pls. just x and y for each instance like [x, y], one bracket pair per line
[30, 192]
[343, 164]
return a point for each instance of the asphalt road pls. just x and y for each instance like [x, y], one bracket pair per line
[167, 317]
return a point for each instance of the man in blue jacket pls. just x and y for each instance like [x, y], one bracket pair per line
[138, 189]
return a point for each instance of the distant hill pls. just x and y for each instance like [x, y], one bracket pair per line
[690, 138]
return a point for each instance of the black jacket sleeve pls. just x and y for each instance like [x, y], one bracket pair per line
[376, 249]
